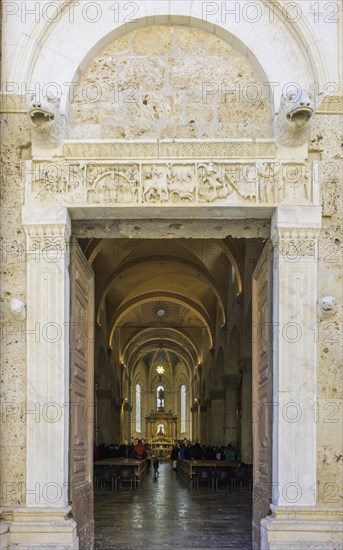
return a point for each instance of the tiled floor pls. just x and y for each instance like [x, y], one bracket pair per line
[166, 514]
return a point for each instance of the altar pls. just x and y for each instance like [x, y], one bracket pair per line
[161, 431]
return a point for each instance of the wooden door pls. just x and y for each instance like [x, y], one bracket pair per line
[82, 396]
[262, 390]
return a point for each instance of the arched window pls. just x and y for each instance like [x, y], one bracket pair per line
[183, 392]
[160, 397]
[138, 408]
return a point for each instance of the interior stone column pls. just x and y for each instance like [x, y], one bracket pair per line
[48, 233]
[295, 234]
[231, 382]
[104, 416]
[203, 432]
[246, 422]
[195, 422]
[217, 416]
[127, 409]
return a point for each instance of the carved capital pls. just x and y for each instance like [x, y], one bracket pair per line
[295, 233]
[296, 243]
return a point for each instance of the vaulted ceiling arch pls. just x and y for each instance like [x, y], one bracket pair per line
[158, 339]
[148, 262]
[127, 307]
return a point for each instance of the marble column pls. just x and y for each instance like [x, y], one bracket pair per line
[48, 232]
[295, 234]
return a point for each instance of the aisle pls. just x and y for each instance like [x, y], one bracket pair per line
[164, 514]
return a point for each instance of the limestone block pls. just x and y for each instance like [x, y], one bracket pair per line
[199, 113]
[188, 41]
[242, 130]
[148, 73]
[156, 87]
[186, 72]
[326, 135]
[93, 131]
[243, 110]
[149, 107]
[152, 39]
[109, 131]
[217, 46]
[121, 46]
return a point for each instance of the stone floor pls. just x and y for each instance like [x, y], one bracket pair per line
[166, 514]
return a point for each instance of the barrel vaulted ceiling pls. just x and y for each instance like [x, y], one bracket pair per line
[162, 296]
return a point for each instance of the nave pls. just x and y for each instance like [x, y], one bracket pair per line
[165, 513]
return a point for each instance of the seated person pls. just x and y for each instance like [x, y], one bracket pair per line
[139, 450]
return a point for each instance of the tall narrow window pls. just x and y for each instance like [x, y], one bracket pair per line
[183, 408]
[160, 397]
[138, 408]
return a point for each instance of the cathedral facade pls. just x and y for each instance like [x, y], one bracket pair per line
[171, 253]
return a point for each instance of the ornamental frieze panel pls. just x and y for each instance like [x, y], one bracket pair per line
[170, 150]
[174, 182]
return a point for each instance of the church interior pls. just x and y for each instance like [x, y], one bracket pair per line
[173, 341]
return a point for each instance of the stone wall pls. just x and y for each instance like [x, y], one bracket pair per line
[169, 82]
[15, 139]
[327, 139]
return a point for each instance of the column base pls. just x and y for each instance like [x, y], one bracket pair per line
[38, 528]
[292, 528]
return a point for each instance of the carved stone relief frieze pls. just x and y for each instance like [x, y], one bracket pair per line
[168, 183]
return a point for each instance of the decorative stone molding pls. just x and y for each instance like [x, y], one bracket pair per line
[187, 183]
[331, 105]
[38, 527]
[294, 116]
[10, 103]
[48, 241]
[317, 528]
[293, 244]
[176, 149]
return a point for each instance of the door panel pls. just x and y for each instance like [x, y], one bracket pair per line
[81, 396]
[262, 390]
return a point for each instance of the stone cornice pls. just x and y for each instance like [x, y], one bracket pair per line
[166, 149]
[57, 231]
